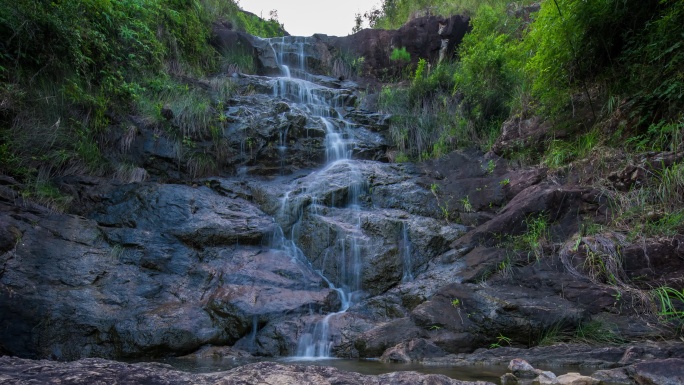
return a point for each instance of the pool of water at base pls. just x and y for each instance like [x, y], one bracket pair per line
[491, 373]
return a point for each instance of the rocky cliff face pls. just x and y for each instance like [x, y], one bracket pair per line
[307, 233]
[431, 38]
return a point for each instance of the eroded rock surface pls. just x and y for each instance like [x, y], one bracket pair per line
[16, 371]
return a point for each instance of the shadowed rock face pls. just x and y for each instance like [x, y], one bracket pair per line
[158, 269]
[423, 37]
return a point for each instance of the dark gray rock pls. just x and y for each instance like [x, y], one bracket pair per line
[160, 269]
[412, 350]
[612, 377]
[16, 371]
[658, 372]
[561, 355]
[196, 216]
[422, 37]
[376, 341]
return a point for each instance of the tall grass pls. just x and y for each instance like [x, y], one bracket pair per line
[655, 208]
[669, 303]
[561, 152]
[427, 118]
[193, 108]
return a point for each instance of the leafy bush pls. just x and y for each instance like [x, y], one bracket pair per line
[634, 47]
[653, 59]
[257, 26]
[489, 71]
[400, 54]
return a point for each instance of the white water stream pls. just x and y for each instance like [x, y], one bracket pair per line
[296, 86]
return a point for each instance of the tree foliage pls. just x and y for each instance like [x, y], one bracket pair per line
[489, 71]
[520, 61]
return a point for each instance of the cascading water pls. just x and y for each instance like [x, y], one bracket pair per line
[324, 103]
[406, 253]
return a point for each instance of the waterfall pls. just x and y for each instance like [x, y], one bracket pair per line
[295, 85]
[405, 247]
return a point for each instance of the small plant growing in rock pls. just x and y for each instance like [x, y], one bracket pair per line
[491, 165]
[455, 302]
[467, 206]
[501, 339]
[505, 182]
[505, 267]
[669, 302]
[536, 235]
[400, 54]
[445, 210]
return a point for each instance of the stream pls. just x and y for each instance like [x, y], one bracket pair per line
[491, 373]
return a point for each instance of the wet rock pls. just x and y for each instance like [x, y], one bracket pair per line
[196, 216]
[567, 205]
[655, 259]
[521, 368]
[159, 269]
[658, 372]
[479, 312]
[217, 352]
[560, 355]
[575, 379]
[225, 39]
[18, 371]
[374, 342]
[545, 378]
[423, 37]
[612, 377]
[283, 336]
[509, 379]
[653, 372]
[413, 350]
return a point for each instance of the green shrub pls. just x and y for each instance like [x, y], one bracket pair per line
[489, 71]
[257, 26]
[400, 54]
[653, 61]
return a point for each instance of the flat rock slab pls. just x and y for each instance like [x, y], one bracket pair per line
[93, 371]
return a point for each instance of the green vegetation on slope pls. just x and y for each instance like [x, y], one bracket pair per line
[461, 103]
[71, 71]
[392, 14]
[612, 65]
[607, 78]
